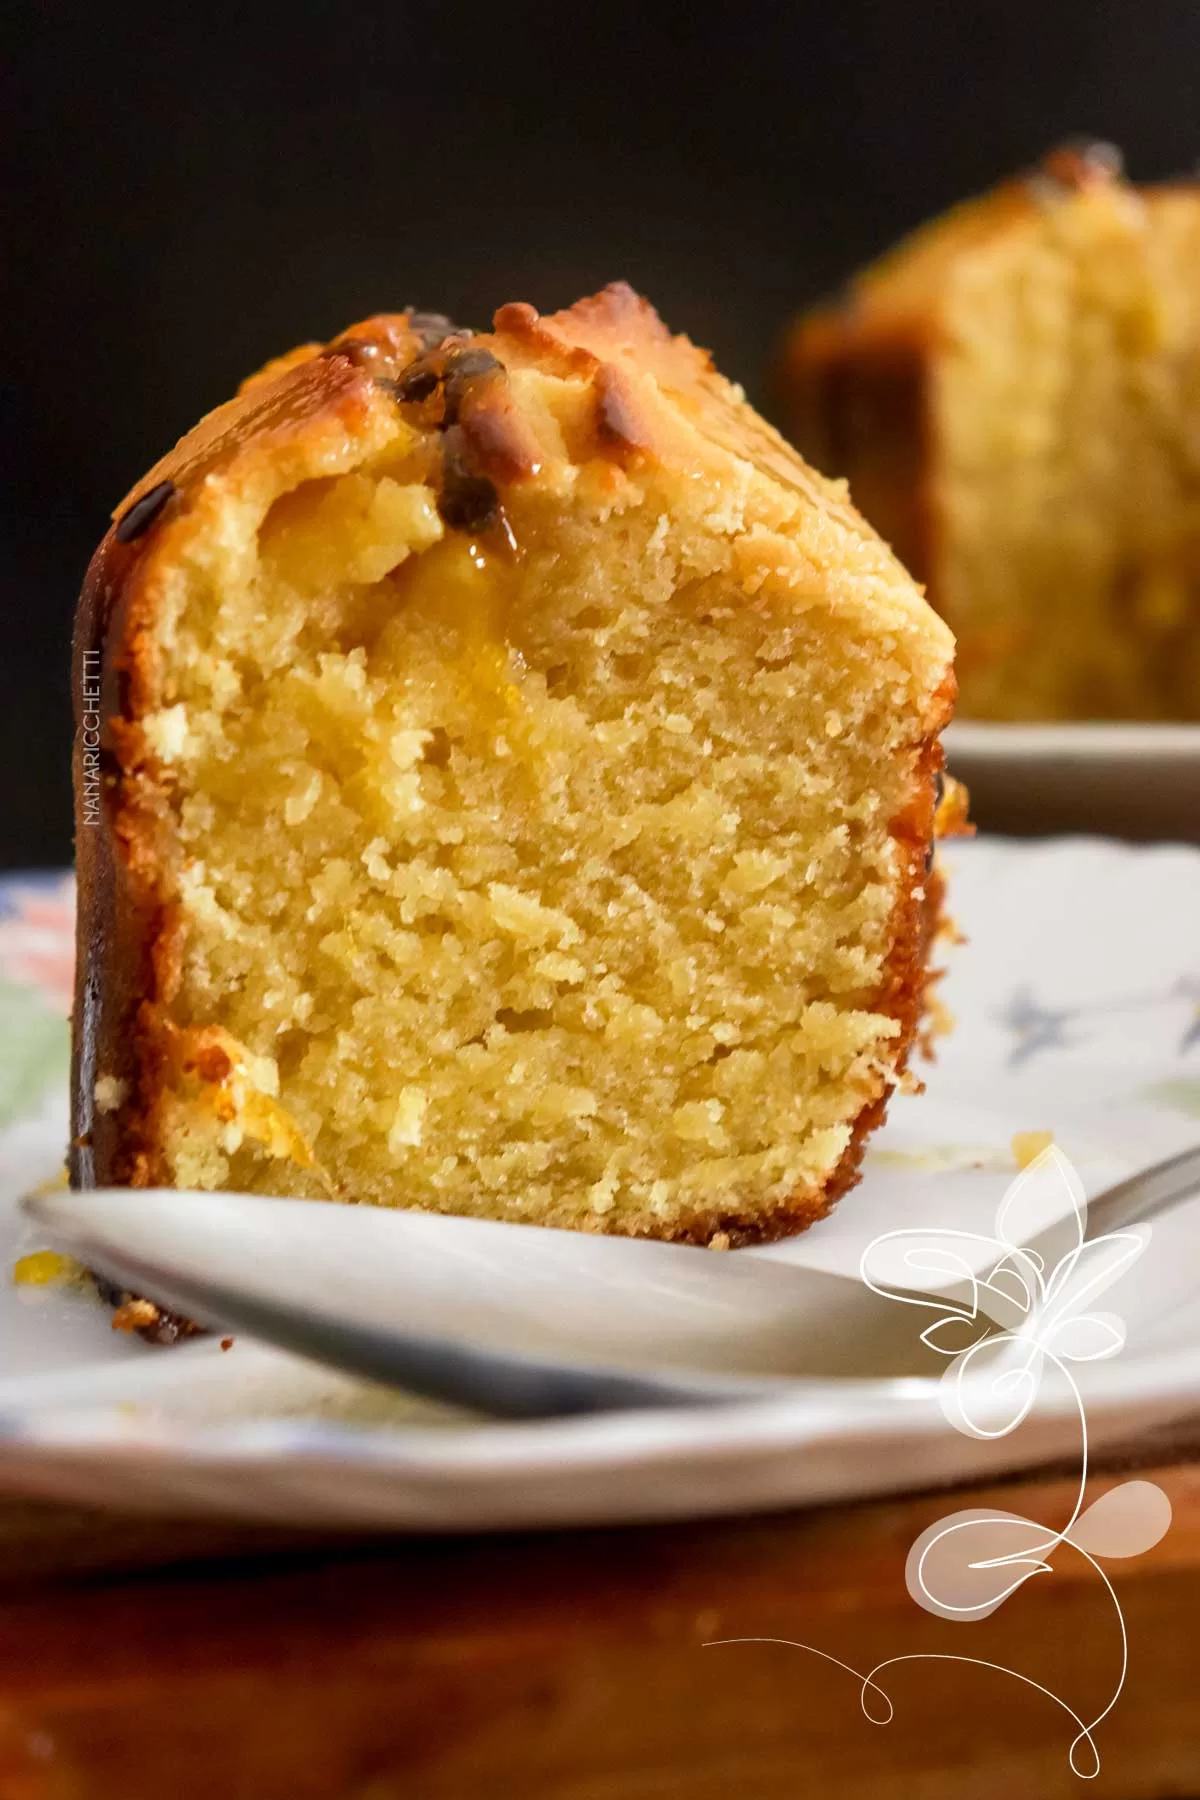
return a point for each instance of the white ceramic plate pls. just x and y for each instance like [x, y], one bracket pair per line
[1078, 1011]
[1128, 780]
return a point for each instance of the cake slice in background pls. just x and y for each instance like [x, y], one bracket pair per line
[516, 793]
[1014, 395]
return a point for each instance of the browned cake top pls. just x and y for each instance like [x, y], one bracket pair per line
[651, 396]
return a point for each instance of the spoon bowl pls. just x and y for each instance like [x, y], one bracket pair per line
[519, 1320]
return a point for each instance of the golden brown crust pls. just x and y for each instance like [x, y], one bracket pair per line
[854, 393]
[127, 941]
[646, 398]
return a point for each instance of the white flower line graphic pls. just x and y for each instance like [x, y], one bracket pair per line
[967, 1564]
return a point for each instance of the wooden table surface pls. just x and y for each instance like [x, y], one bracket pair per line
[145, 1660]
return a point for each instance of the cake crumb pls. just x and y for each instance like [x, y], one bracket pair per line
[110, 1092]
[1027, 1146]
[719, 1241]
[227, 1343]
[406, 1126]
[135, 1315]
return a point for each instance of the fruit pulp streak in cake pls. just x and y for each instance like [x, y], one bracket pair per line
[1014, 395]
[519, 779]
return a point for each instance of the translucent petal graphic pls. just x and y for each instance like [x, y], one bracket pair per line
[954, 1334]
[1089, 1337]
[968, 1564]
[1084, 1273]
[1012, 1289]
[1047, 1194]
[1128, 1520]
[943, 1262]
[990, 1389]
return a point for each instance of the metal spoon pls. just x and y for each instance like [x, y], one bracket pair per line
[516, 1320]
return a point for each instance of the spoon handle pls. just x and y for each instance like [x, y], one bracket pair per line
[1143, 1195]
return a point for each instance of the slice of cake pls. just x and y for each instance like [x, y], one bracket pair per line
[1014, 394]
[506, 783]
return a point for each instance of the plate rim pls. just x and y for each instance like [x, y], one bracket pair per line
[1091, 741]
[505, 1445]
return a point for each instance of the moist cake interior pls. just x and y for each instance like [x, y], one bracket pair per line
[545, 875]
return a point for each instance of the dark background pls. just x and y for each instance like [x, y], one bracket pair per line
[194, 191]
